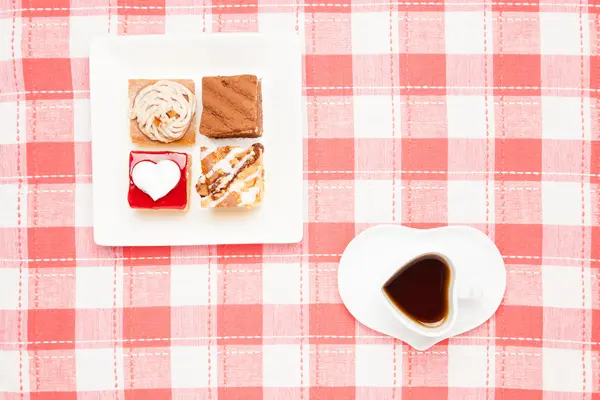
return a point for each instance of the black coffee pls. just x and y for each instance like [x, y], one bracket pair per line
[421, 290]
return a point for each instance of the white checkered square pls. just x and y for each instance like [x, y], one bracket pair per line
[464, 32]
[280, 22]
[373, 116]
[562, 286]
[371, 33]
[563, 369]
[282, 363]
[561, 118]
[94, 287]
[9, 295]
[81, 120]
[281, 284]
[96, 368]
[467, 366]
[83, 201]
[9, 193]
[186, 24]
[375, 365]
[467, 202]
[84, 29]
[189, 285]
[373, 201]
[8, 116]
[9, 371]
[466, 117]
[10, 40]
[562, 203]
[560, 33]
[189, 366]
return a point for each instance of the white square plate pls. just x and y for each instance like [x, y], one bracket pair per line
[276, 59]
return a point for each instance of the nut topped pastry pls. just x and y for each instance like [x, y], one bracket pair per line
[231, 176]
[231, 106]
[162, 111]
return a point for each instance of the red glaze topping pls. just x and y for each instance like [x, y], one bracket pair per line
[176, 199]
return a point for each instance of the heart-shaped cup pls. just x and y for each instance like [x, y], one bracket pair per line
[452, 291]
[478, 279]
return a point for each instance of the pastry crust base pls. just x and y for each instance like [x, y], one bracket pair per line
[137, 136]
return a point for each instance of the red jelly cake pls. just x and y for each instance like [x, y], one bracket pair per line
[159, 180]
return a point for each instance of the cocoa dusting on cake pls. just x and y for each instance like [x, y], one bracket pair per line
[231, 106]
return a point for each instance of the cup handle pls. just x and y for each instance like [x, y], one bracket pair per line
[469, 292]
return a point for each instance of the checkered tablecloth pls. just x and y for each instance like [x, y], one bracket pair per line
[422, 113]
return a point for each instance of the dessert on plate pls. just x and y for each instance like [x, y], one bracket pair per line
[159, 180]
[231, 107]
[231, 176]
[162, 111]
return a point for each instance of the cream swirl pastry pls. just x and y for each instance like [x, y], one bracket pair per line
[164, 110]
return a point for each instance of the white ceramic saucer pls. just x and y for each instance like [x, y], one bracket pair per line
[377, 253]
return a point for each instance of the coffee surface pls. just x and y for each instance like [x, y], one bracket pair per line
[421, 290]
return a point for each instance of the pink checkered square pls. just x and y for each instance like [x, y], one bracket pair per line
[330, 117]
[331, 323]
[51, 288]
[186, 333]
[517, 74]
[524, 285]
[239, 324]
[421, 33]
[416, 158]
[51, 205]
[328, 240]
[518, 117]
[146, 287]
[466, 74]
[519, 155]
[324, 207]
[96, 328]
[562, 75]
[430, 192]
[46, 37]
[328, 34]
[241, 284]
[529, 325]
[50, 121]
[143, 323]
[333, 365]
[284, 323]
[240, 366]
[139, 370]
[517, 202]
[515, 31]
[51, 247]
[427, 118]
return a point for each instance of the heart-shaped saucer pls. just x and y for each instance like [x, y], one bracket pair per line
[156, 179]
[373, 256]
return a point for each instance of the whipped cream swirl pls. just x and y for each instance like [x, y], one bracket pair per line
[164, 110]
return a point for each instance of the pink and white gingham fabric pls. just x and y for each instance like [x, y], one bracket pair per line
[421, 112]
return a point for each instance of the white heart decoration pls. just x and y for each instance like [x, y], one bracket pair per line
[377, 253]
[156, 179]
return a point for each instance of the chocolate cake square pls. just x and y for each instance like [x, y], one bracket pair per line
[231, 107]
